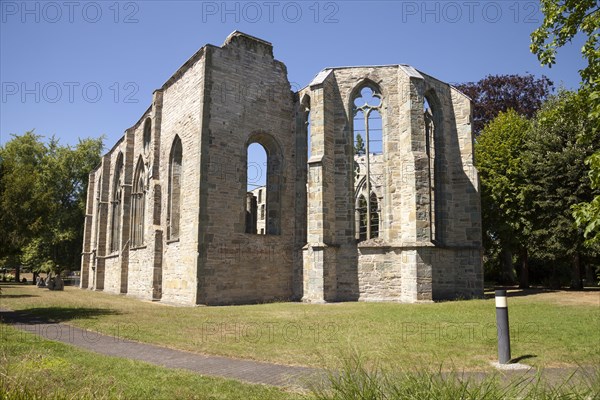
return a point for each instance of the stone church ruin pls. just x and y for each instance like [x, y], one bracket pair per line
[370, 191]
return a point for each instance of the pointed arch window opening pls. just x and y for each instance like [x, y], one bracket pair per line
[147, 134]
[116, 205]
[367, 121]
[138, 205]
[174, 195]
[97, 216]
[306, 122]
[264, 170]
[432, 119]
[257, 181]
[306, 127]
[430, 150]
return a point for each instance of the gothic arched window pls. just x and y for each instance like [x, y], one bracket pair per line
[264, 174]
[117, 192]
[174, 199]
[97, 214]
[256, 183]
[147, 134]
[138, 205]
[368, 144]
[433, 147]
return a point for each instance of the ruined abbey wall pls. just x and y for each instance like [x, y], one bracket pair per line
[249, 101]
[167, 215]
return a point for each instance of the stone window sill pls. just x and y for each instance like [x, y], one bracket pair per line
[138, 247]
[169, 241]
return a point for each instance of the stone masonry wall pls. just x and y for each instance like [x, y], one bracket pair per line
[249, 100]
[182, 107]
[399, 264]
[87, 232]
[141, 257]
[112, 264]
[225, 98]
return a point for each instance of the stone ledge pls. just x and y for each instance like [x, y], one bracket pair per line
[138, 248]
[109, 256]
[316, 159]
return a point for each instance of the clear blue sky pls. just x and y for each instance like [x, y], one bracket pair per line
[55, 56]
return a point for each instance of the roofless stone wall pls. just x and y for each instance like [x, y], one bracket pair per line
[167, 212]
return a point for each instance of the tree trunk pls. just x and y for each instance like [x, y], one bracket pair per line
[18, 273]
[589, 274]
[508, 271]
[524, 276]
[576, 281]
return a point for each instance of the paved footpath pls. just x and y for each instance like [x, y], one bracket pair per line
[242, 370]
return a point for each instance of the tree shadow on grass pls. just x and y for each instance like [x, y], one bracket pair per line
[45, 315]
[13, 285]
[16, 296]
[513, 291]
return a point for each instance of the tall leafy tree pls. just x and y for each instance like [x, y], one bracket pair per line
[498, 152]
[587, 214]
[42, 204]
[519, 97]
[64, 178]
[556, 178]
[563, 20]
[499, 93]
[22, 205]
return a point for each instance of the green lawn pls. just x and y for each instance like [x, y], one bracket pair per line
[34, 368]
[461, 334]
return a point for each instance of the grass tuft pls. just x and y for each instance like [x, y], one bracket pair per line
[354, 380]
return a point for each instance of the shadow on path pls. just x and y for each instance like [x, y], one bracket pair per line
[16, 296]
[44, 315]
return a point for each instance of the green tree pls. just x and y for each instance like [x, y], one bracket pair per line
[359, 150]
[65, 180]
[563, 20]
[587, 214]
[498, 152]
[499, 93]
[22, 205]
[359, 146]
[555, 179]
[42, 204]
